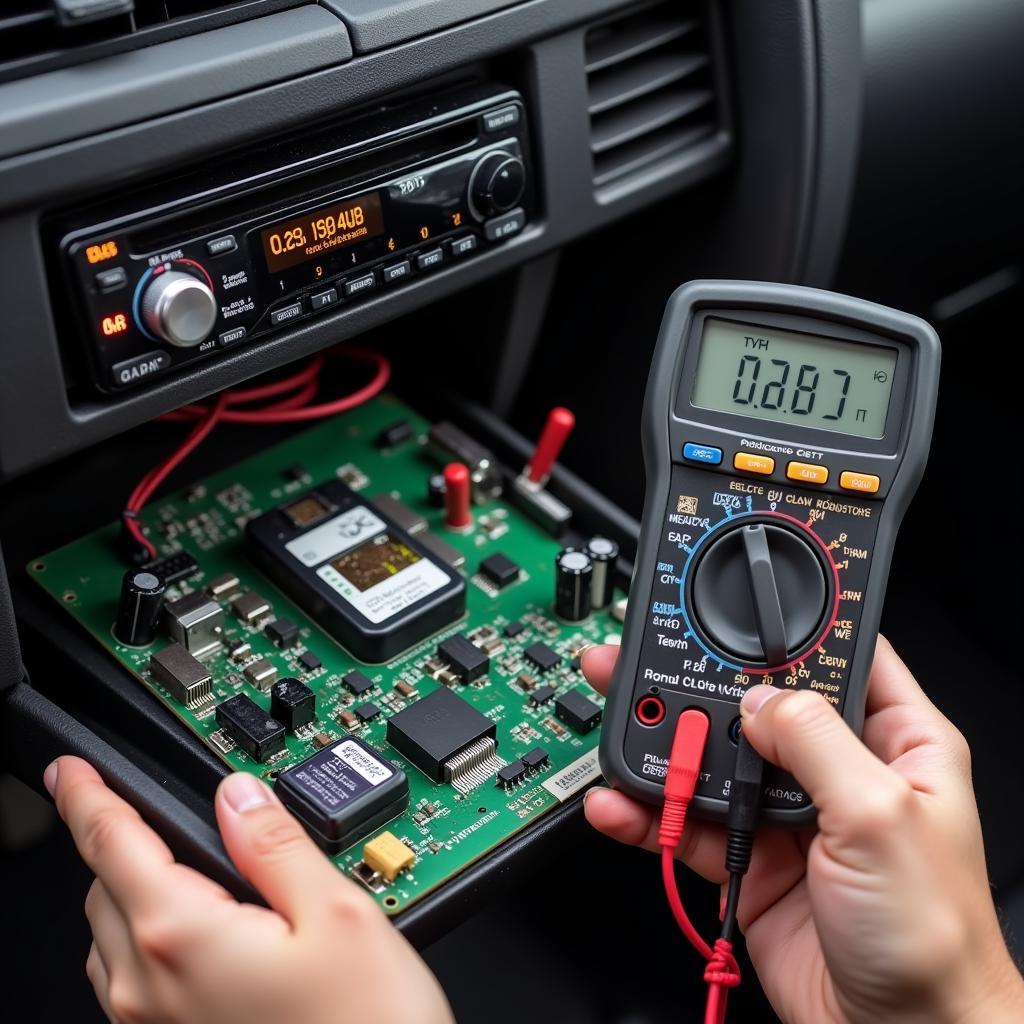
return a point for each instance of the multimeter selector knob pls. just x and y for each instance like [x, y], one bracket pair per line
[496, 184]
[760, 593]
[179, 308]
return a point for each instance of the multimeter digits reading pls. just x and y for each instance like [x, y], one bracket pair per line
[785, 431]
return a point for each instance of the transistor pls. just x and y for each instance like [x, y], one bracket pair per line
[367, 712]
[542, 656]
[398, 433]
[282, 632]
[292, 703]
[356, 683]
[465, 660]
[542, 695]
[309, 661]
[500, 569]
[259, 735]
[577, 711]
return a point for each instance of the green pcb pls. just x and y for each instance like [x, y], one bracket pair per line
[445, 829]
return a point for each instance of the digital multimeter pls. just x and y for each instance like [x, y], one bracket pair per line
[785, 430]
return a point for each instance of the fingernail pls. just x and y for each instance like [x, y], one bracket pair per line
[756, 697]
[590, 792]
[50, 777]
[244, 792]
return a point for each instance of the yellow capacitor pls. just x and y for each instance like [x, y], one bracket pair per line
[388, 855]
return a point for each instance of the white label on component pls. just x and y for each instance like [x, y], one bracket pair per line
[335, 536]
[357, 758]
[573, 778]
[390, 596]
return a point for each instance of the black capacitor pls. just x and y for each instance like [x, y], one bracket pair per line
[435, 490]
[573, 572]
[138, 609]
[603, 553]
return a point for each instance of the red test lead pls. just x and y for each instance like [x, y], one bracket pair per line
[456, 496]
[556, 431]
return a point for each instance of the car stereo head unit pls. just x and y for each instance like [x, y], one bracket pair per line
[215, 268]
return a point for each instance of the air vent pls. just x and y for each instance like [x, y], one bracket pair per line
[33, 39]
[651, 91]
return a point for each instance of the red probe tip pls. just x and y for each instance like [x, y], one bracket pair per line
[456, 496]
[558, 427]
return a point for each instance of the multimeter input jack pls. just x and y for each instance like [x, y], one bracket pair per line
[650, 710]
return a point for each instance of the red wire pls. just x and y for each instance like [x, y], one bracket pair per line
[299, 390]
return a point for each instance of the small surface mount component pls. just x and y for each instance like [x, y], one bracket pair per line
[441, 549]
[355, 571]
[262, 674]
[542, 656]
[447, 739]
[259, 735]
[282, 632]
[297, 474]
[513, 629]
[388, 855]
[526, 681]
[398, 433]
[239, 650]
[186, 678]
[309, 661]
[224, 585]
[292, 703]
[407, 690]
[536, 759]
[367, 712]
[174, 568]
[499, 569]
[356, 682]
[250, 607]
[343, 793]
[196, 622]
[577, 711]
[399, 513]
[321, 740]
[542, 695]
[350, 720]
[513, 773]
[464, 659]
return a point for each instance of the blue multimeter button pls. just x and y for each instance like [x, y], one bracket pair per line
[702, 453]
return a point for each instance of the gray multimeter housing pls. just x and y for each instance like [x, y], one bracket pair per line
[857, 531]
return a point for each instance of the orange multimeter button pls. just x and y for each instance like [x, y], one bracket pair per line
[806, 473]
[866, 483]
[762, 464]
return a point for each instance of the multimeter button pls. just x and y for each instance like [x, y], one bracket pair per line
[112, 279]
[702, 453]
[806, 473]
[763, 464]
[866, 483]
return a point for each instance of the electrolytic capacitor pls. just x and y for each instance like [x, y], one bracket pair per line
[603, 553]
[573, 572]
[138, 608]
[435, 490]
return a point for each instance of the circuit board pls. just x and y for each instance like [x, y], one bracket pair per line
[445, 829]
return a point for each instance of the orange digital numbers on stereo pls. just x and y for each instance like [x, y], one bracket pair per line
[103, 251]
[115, 324]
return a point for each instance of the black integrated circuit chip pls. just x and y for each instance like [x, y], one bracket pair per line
[282, 632]
[464, 659]
[542, 656]
[536, 758]
[367, 712]
[513, 772]
[259, 735]
[292, 703]
[542, 695]
[578, 711]
[396, 434]
[309, 661]
[356, 683]
[173, 568]
[513, 629]
[500, 569]
[435, 729]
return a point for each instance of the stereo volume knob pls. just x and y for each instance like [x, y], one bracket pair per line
[761, 593]
[496, 184]
[179, 308]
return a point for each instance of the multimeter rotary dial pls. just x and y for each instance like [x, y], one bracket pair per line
[761, 590]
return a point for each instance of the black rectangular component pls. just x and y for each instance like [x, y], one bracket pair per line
[577, 711]
[513, 772]
[292, 703]
[174, 567]
[186, 678]
[343, 793]
[435, 729]
[259, 735]
[513, 629]
[542, 656]
[396, 434]
[536, 758]
[368, 711]
[356, 571]
[542, 695]
[309, 661]
[356, 683]
[465, 659]
[500, 569]
[282, 632]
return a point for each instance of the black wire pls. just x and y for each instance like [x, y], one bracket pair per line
[732, 901]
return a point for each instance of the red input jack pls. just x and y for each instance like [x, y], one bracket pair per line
[650, 710]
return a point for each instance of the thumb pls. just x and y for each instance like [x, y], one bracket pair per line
[799, 730]
[271, 849]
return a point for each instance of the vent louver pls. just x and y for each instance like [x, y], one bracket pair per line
[32, 38]
[651, 91]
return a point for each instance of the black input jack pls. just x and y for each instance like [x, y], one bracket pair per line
[650, 710]
[735, 728]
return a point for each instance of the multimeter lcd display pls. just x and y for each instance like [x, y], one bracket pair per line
[790, 377]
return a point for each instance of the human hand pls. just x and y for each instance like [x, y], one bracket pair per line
[882, 914]
[171, 946]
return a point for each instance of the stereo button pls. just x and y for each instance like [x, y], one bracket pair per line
[322, 299]
[504, 227]
[396, 272]
[427, 260]
[462, 246]
[358, 285]
[285, 313]
[131, 371]
[110, 280]
[503, 117]
[221, 246]
[230, 337]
